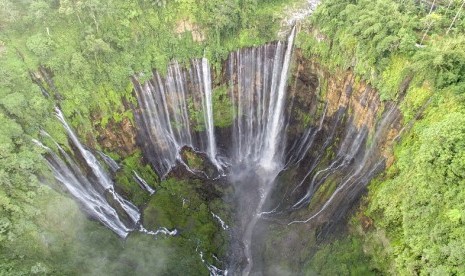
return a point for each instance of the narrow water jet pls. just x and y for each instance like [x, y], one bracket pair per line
[112, 164]
[143, 184]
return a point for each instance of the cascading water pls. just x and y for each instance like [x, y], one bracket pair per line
[275, 123]
[142, 183]
[270, 178]
[95, 192]
[120, 215]
[102, 177]
[258, 78]
[91, 199]
[166, 108]
[260, 99]
[207, 107]
[114, 167]
[361, 170]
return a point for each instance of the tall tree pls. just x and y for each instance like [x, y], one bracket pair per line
[455, 17]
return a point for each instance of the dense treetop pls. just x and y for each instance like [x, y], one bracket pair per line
[417, 206]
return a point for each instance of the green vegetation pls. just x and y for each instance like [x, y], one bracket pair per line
[183, 205]
[64, 242]
[323, 193]
[342, 257]
[86, 52]
[417, 206]
[194, 161]
[196, 115]
[381, 41]
[222, 107]
[421, 202]
[92, 48]
[126, 184]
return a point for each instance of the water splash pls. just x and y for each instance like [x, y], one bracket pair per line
[161, 230]
[213, 270]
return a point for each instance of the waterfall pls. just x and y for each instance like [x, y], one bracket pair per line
[206, 88]
[363, 168]
[95, 192]
[163, 119]
[167, 108]
[101, 176]
[114, 167]
[142, 183]
[253, 74]
[87, 192]
[275, 126]
[91, 199]
[258, 87]
[326, 166]
[177, 111]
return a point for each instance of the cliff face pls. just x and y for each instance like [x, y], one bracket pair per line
[118, 137]
[338, 136]
[317, 95]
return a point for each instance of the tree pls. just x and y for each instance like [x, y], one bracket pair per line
[455, 17]
[432, 19]
[8, 13]
[69, 7]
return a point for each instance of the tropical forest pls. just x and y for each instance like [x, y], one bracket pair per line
[232, 137]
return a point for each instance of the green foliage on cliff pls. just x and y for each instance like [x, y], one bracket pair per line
[86, 51]
[93, 47]
[343, 257]
[418, 205]
[183, 205]
[384, 42]
[223, 111]
[125, 179]
[421, 201]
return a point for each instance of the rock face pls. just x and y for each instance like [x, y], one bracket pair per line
[118, 137]
[186, 26]
[340, 136]
[197, 164]
[337, 136]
